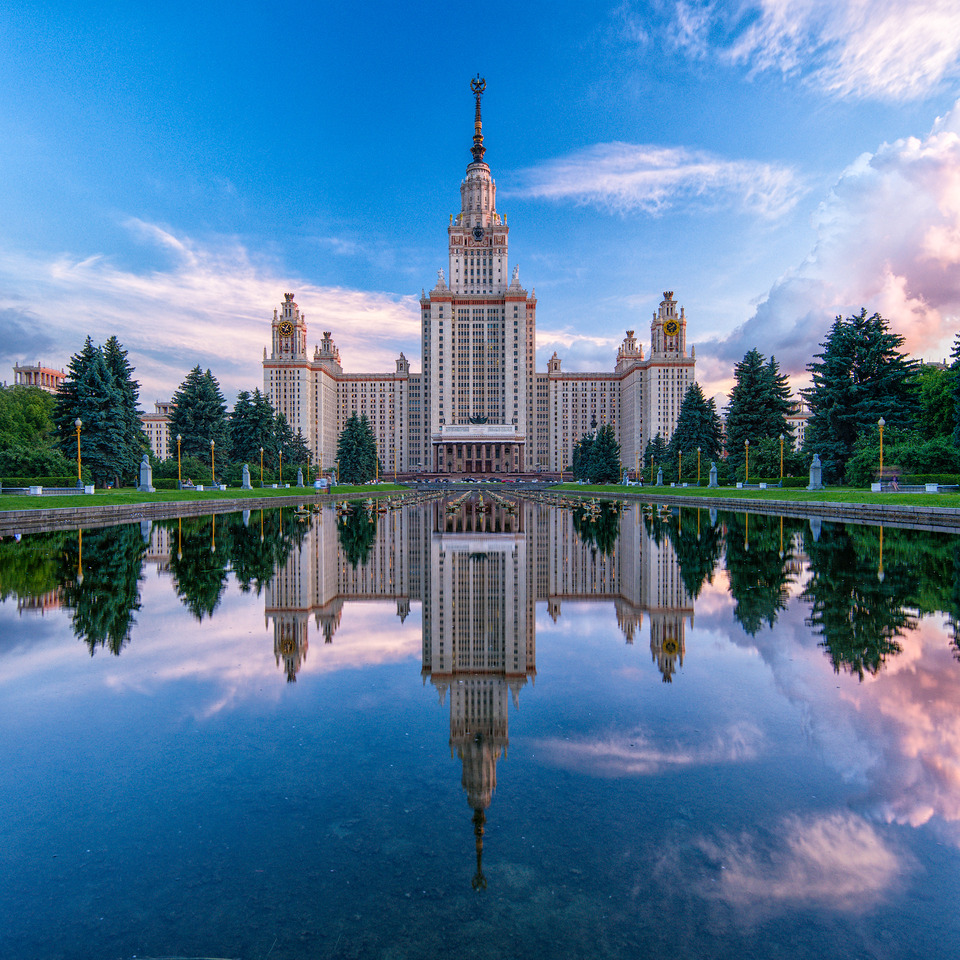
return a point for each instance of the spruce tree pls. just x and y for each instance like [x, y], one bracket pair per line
[90, 393]
[605, 456]
[134, 441]
[758, 408]
[860, 376]
[199, 416]
[357, 451]
[252, 427]
[656, 454]
[698, 425]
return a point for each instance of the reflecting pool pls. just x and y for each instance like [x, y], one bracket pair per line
[482, 727]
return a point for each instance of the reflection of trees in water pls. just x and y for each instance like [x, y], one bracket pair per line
[107, 595]
[758, 561]
[858, 607]
[204, 549]
[598, 524]
[697, 544]
[31, 567]
[356, 531]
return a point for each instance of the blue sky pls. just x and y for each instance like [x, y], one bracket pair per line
[168, 171]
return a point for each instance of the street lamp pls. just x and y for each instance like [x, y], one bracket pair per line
[261, 468]
[280, 452]
[78, 423]
[698, 476]
[179, 474]
[781, 459]
[881, 423]
[213, 472]
[746, 474]
[680, 467]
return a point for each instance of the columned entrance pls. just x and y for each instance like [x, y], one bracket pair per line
[474, 449]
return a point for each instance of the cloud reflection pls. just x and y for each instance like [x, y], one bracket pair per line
[635, 753]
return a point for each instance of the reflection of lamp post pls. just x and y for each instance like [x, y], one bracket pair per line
[698, 474]
[881, 423]
[79, 557]
[880, 567]
[179, 473]
[261, 467]
[213, 471]
[78, 423]
[746, 451]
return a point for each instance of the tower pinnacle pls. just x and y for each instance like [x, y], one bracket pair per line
[478, 85]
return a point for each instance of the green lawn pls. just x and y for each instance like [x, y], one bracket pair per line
[132, 497]
[828, 495]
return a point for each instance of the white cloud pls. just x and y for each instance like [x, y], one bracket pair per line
[888, 239]
[836, 861]
[212, 306]
[878, 49]
[625, 177]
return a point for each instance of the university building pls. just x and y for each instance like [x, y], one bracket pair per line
[479, 405]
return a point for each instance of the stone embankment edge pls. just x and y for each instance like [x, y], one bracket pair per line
[914, 516]
[107, 515]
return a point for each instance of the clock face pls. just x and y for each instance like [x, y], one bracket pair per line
[478, 233]
[671, 327]
[286, 328]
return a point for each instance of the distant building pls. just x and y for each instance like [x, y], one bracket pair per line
[797, 420]
[479, 406]
[156, 426]
[46, 378]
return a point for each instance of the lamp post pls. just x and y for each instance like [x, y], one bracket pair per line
[638, 466]
[746, 473]
[179, 472]
[698, 476]
[213, 471]
[78, 423]
[881, 423]
[680, 467]
[261, 468]
[280, 452]
[781, 459]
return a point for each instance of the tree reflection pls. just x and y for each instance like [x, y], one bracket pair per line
[598, 524]
[100, 574]
[260, 544]
[759, 558]
[859, 597]
[199, 564]
[30, 568]
[356, 530]
[697, 543]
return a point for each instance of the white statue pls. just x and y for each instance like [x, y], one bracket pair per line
[516, 274]
[441, 279]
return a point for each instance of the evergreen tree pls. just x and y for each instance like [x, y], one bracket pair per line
[283, 439]
[698, 425]
[199, 416]
[134, 439]
[90, 394]
[299, 451]
[860, 376]
[605, 456]
[656, 454]
[759, 404]
[936, 389]
[357, 451]
[582, 458]
[252, 427]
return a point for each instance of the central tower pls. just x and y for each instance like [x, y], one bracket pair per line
[478, 338]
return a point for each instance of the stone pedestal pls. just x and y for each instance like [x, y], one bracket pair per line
[245, 485]
[713, 475]
[816, 474]
[146, 476]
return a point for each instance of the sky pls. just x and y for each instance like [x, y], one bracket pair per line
[169, 171]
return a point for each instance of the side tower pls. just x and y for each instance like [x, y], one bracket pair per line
[669, 370]
[286, 371]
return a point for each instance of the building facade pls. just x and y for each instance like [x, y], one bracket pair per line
[37, 375]
[479, 406]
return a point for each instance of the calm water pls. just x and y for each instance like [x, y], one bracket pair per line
[512, 731]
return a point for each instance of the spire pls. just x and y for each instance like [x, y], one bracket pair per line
[478, 85]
